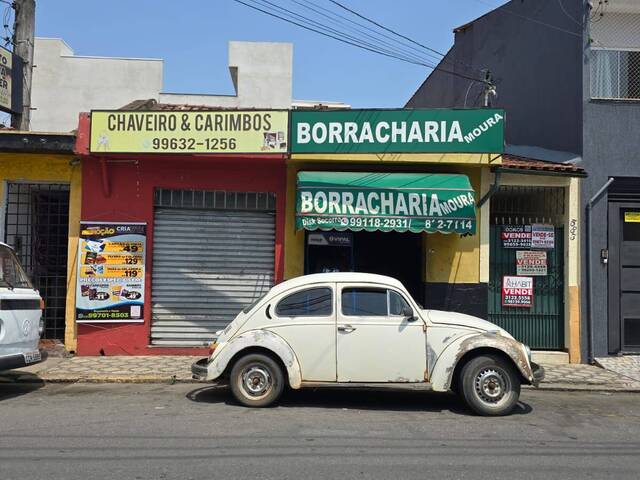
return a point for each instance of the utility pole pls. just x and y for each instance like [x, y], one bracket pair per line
[24, 27]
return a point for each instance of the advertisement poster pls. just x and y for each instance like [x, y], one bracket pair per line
[516, 236]
[110, 286]
[531, 263]
[543, 236]
[517, 291]
[251, 131]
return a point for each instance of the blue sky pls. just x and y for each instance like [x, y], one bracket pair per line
[191, 36]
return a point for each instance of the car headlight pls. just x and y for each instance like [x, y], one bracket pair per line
[528, 350]
[41, 326]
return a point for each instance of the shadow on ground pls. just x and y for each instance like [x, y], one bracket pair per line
[356, 399]
[14, 383]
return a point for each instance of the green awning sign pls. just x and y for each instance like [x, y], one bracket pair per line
[479, 130]
[415, 202]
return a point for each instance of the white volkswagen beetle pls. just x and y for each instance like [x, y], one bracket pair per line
[359, 329]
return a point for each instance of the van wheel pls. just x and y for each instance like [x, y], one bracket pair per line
[489, 385]
[256, 380]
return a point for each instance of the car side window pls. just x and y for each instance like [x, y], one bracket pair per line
[364, 302]
[313, 302]
[397, 303]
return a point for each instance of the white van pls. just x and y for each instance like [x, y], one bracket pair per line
[20, 314]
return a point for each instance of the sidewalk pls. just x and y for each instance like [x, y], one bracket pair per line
[172, 369]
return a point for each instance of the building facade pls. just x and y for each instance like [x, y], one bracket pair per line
[178, 232]
[578, 104]
[40, 191]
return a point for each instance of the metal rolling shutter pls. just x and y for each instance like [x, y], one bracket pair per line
[207, 266]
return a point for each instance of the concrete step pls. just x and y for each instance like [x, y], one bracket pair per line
[550, 358]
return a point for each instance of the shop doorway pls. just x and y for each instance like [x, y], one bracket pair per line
[37, 226]
[398, 255]
[538, 319]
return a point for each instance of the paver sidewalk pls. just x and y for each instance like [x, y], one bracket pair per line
[171, 369]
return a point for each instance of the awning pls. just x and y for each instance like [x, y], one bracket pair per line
[416, 202]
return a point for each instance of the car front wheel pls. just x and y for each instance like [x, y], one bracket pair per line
[256, 380]
[490, 385]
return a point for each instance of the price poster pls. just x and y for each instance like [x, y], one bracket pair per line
[111, 268]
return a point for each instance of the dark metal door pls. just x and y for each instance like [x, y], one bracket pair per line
[629, 279]
[540, 326]
[37, 227]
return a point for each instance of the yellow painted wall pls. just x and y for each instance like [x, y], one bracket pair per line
[449, 258]
[30, 167]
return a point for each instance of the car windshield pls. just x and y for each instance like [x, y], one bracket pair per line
[11, 273]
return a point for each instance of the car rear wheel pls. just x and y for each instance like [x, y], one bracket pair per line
[489, 385]
[256, 380]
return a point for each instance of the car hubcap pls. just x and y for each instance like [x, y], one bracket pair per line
[256, 380]
[491, 385]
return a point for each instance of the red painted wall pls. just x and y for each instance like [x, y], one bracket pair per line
[120, 189]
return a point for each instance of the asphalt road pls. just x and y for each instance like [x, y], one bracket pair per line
[100, 431]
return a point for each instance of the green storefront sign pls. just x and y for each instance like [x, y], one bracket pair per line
[398, 131]
[386, 202]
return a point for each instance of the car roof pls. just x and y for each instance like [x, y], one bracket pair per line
[351, 277]
[5, 245]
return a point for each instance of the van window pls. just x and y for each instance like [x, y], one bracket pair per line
[313, 302]
[11, 273]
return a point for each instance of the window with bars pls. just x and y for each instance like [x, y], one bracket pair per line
[615, 74]
[215, 199]
[522, 205]
[37, 227]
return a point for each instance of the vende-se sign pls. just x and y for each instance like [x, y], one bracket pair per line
[517, 291]
[398, 131]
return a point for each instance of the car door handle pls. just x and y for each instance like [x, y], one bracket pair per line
[346, 328]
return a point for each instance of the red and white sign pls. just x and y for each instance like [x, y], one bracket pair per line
[529, 262]
[517, 291]
[516, 236]
[543, 236]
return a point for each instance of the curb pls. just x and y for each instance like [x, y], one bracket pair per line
[558, 387]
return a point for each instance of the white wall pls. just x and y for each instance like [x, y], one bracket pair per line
[65, 85]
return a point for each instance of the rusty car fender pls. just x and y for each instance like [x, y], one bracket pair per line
[442, 372]
[256, 338]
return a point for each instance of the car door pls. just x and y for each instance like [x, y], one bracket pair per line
[374, 341]
[305, 318]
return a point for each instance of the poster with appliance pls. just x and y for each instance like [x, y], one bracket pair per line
[543, 236]
[531, 262]
[516, 236]
[517, 291]
[111, 270]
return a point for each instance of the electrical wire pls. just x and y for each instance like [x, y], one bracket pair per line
[355, 44]
[316, 24]
[378, 36]
[567, 14]
[531, 19]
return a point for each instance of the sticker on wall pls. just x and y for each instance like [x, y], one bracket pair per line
[516, 236]
[517, 291]
[543, 236]
[529, 262]
[110, 285]
[632, 217]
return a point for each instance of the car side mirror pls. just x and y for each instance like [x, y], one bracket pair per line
[407, 313]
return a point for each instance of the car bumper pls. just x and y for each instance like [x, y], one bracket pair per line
[538, 373]
[19, 361]
[200, 370]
